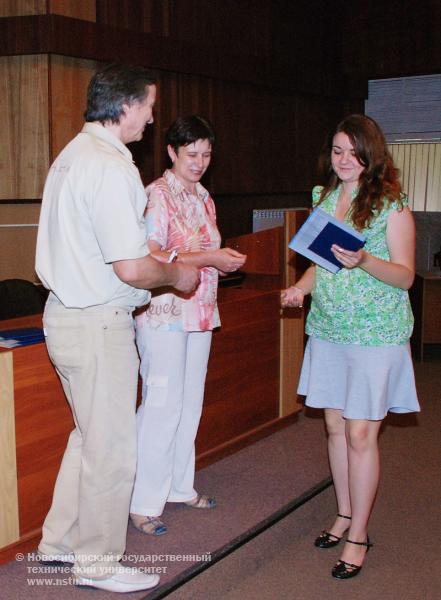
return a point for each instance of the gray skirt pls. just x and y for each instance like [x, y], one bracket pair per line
[365, 382]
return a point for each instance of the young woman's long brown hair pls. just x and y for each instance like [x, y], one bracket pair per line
[378, 181]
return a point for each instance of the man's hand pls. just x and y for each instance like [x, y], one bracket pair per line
[187, 277]
[148, 273]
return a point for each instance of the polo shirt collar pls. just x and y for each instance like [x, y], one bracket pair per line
[177, 187]
[99, 131]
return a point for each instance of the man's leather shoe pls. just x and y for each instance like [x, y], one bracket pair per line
[125, 579]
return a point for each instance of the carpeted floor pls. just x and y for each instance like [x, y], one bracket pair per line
[404, 563]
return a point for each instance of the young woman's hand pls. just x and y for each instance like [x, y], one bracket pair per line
[292, 297]
[348, 258]
[399, 271]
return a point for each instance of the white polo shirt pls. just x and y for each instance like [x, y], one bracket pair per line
[91, 216]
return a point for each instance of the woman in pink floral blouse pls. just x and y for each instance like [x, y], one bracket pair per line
[174, 333]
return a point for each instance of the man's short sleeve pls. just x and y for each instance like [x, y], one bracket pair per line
[116, 212]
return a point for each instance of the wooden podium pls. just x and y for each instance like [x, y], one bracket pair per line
[271, 263]
[250, 389]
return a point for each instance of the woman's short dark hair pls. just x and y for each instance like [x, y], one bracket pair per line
[186, 130]
[112, 87]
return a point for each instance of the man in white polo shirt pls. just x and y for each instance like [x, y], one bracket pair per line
[92, 256]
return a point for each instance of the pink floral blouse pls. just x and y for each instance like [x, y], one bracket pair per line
[178, 220]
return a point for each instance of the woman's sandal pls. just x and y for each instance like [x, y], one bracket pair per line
[345, 570]
[201, 501]
[149, 525]
[329, 540]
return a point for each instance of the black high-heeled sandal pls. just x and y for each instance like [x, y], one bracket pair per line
[345, 570]
[328, 540]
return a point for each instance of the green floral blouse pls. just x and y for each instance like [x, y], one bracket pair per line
[351, 306]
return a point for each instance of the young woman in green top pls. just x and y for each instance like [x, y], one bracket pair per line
[357, 363]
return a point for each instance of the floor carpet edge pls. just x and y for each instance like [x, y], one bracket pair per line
[234, 544]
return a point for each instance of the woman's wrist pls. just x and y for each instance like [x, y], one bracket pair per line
[297, 287]
[365, 256]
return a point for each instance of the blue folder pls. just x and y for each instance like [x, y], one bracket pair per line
[24, 336]
[318, 233]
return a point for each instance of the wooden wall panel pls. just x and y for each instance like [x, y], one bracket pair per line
[14, 8]
[391, 39]
[68, 87]
[261, 29]
[195, 21]
[18, 235]
[24, 137]
[264, 140]
[282, 60]
[79, 9]
[18, 259]
[166, 110]
[245, 23]
[269, 141]
[296, 44]
[146, 16]
[239, 115]
[195, 96]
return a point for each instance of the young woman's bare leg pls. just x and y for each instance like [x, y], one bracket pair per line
[363, 477]
[338, 461]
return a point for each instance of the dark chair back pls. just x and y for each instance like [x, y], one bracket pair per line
[19, 298]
